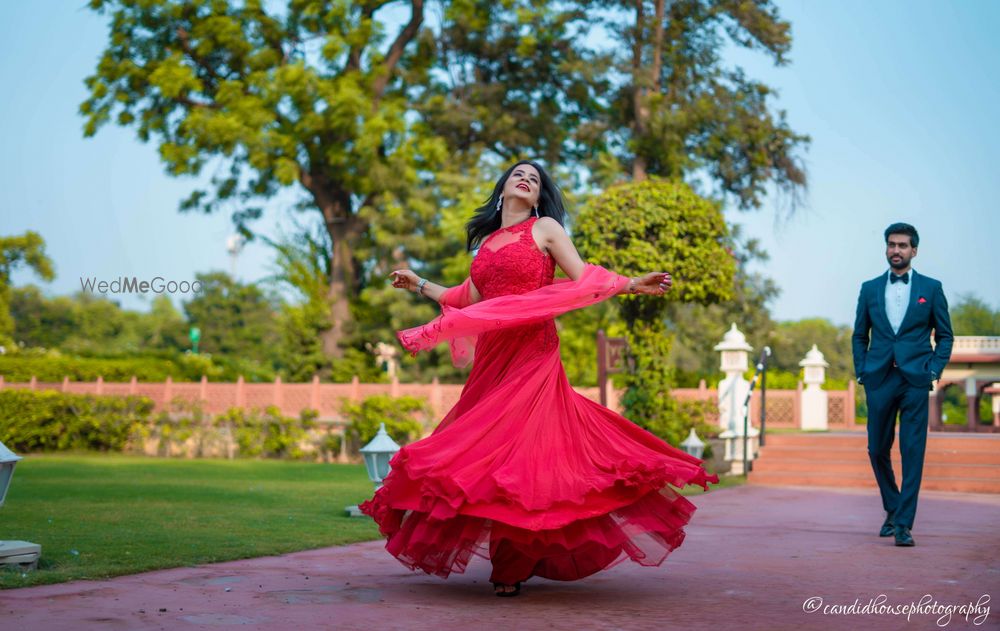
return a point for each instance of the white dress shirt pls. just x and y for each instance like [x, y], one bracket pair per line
[897, 297]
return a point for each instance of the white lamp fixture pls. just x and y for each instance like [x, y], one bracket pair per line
[693, 445]
[20, 553]
[377, 455]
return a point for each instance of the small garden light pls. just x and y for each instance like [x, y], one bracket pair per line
[693, 445]
[14, 552]
[377, 455]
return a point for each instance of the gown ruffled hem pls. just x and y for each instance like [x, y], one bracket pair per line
[644, 529]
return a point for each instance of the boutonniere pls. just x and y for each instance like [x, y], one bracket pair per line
[921, 300]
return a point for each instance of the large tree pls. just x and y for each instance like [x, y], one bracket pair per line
[681, 111]
[314, 95]
[24, 250]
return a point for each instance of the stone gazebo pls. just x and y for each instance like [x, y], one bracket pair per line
[975, 367]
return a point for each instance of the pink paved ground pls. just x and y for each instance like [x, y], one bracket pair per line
[753, 555]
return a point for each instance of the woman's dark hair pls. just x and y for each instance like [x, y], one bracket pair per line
[487, 219]
[903, 228]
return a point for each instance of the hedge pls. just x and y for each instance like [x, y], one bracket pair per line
[55, 421]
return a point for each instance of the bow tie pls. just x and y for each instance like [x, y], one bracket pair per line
[905, 278]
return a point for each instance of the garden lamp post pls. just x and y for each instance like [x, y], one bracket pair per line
[693, 445]
[20, 553]
[377, 455]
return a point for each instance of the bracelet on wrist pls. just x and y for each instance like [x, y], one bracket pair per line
[631, 286]
[420, 286]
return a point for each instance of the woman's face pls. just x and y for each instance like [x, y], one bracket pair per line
[524, 183]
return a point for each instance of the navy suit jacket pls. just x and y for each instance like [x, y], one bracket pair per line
[876, 347]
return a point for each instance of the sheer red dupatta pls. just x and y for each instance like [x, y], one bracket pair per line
[461, 320]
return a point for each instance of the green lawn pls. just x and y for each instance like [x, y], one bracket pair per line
[98, 515]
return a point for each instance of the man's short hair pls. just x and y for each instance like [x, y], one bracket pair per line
[903, 228]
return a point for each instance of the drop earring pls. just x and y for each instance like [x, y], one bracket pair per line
[499, 203]
[535, 210]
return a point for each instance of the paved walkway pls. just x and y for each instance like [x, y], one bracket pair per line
[752, 557]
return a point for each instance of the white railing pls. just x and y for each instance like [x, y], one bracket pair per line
[976, 344]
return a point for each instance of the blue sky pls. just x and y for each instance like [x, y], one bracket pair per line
[899, 97]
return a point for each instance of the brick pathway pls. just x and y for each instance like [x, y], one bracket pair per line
[752, 557]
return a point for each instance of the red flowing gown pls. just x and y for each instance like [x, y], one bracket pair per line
[523, 470]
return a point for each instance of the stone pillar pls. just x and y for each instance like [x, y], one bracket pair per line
[972, 403]
[241, 399]
[814, 399]
[435, 399]
[314, 394]
[933, 408]
[168, 392]
[996, 403]
[732, 394]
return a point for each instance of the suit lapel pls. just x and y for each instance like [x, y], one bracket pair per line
[911, 305]
[880, 291]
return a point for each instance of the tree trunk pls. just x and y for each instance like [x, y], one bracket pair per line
[344, 229]
[343, 281]
[640, 111]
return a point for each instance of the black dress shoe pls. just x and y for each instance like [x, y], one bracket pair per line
[888, 528]
[903, 537]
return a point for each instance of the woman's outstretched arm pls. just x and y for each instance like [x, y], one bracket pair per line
[408, 279]
[554, 240]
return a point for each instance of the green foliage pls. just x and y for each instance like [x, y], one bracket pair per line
[697, 328]
[427, 234]
[523, 80]
[649, 226]
[683, 113]
[792, 340]
[235, 319]
[28, 250]
[302, 265]
[401, 416]
[970, 315]
[268, 433]
[54, 421]
[305, 94]
[954, 407]
[89, 324]
[659, 225]
[52, 366]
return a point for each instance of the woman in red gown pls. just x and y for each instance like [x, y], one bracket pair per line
[523, 470]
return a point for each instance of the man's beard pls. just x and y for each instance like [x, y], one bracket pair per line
[902, 263]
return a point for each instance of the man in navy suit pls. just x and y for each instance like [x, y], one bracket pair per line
[894, 361]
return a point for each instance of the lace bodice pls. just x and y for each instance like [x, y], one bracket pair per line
[509, 262]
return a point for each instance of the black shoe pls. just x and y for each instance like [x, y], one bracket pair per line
[888, 528]
[903, 537]
[498, 589]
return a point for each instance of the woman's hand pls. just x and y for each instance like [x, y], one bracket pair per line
[651, 284]
[405, 279]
